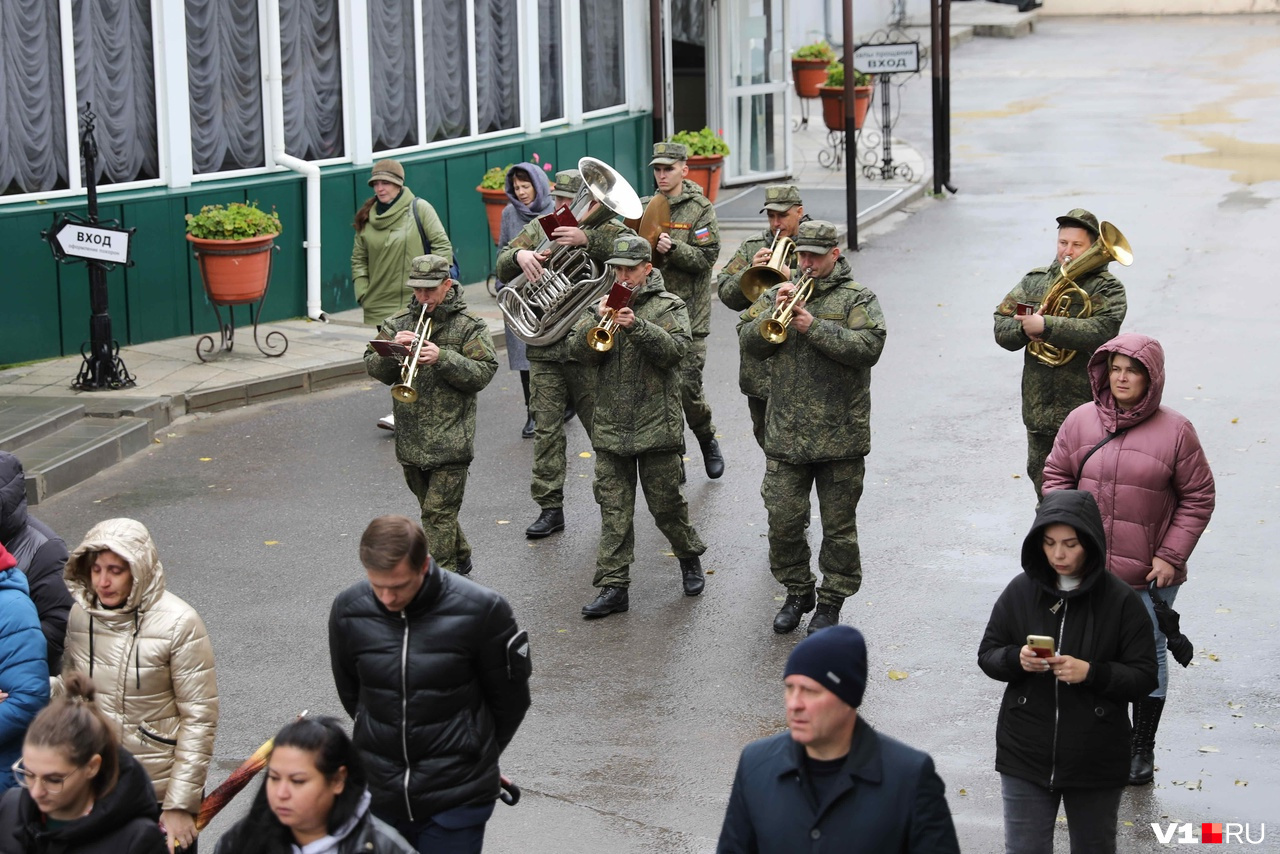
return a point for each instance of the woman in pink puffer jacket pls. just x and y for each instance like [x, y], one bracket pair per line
[1153, 485]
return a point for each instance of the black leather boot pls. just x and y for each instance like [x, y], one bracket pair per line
[464, 567]
[796, 606]
[612, 600]
[825, 617]
[1146, 720]
[712, 459]
[694, 580]
[529, 427]
[548, 522]
[569, 412]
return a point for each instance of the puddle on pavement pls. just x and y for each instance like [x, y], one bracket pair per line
[1248, 162]
[1243, 200]
[1219, 111]
[1013, 108]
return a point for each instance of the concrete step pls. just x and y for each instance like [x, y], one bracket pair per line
[28, 419]
[76, 452]
[988, 20]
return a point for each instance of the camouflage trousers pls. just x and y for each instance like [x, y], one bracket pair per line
[439, 492]
[615, 488]
[1038, 447]
[756, 406]
[552, 387]
[697, 412]
[786, 495]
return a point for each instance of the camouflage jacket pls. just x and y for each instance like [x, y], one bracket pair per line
[687, 271]
[637, 385]
[753, 374]
[599, 246]
[439, 428]
[1049, 394]
[820, 381]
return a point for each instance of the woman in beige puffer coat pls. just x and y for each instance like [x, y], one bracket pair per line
[150, 659]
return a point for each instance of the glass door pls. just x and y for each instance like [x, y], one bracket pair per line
[754, 94]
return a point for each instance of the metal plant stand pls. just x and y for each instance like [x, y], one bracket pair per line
[273, 344]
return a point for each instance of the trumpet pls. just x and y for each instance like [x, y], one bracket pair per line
[761, 277]
[774, 327]
[404, 391]
[600, 336]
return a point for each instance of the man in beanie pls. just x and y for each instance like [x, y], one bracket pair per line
[435, 433]
[1050, 392]
[832, 783]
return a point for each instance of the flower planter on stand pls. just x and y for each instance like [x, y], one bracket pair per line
[833, 106]
[236, 272]
[705, 171]
[808, 75]
[494, 203]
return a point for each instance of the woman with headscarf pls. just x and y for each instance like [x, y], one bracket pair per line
[1144, 464]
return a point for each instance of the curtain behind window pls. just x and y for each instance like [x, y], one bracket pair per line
[497, 65]
[444, 40]
[310, 57]
[224, 74]
[392, 82]
[33, 132]
[602, 54]
[115, 73]
[550, 42]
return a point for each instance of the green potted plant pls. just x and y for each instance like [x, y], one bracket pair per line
[809, 67]
[707, 150]
[233, 246]
[832, 94]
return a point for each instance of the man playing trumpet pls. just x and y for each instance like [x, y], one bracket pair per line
[435, 432]
[817, 422]
[785, 209]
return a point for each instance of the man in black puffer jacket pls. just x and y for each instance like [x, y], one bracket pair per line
[435, 673]
[40, 553]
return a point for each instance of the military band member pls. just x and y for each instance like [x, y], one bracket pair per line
[785, 209]
[817, 424]
[1050, 393]
[639, 428]
[688, 247]
[558, 382]
[435, 435]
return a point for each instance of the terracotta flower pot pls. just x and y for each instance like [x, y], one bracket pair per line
[235, 272]
[494, 203]
[808, 75]
[705, 170]
[833, 106]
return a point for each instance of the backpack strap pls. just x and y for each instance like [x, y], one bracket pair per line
[422, 232]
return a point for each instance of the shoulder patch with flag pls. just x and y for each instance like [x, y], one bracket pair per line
[702, 233]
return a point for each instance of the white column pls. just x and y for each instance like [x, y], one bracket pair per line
[572, 62]
[360, 140]
[173, 94]
[530, 66]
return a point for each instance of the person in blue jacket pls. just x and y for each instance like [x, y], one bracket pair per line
[24, 671]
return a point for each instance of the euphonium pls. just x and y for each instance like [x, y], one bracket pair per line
[1110, 246]
[404, 391]
[774, 327]
[761, 277]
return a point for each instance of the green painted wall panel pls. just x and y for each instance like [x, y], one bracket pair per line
[472, 243]
[341, 195]
[287, 293]
[571, 148]
[159, 300]
[29, 312]
[600, 145]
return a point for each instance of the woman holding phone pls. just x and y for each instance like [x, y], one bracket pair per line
[1063, 731]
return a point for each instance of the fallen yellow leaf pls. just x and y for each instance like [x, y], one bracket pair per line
[205, 459]
[897, 675]
[1208, 749]
[271, 542]
[1213, 657]
[1235, 420]
[1242, 782]
[963, 792]
[504, 521]
[1222, 610]
[586, 455]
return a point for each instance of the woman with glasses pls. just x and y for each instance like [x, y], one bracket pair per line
[80, 791]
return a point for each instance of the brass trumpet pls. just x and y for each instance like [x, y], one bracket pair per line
[600, 336]
[761, 277]
[404, 391]
[774, 327]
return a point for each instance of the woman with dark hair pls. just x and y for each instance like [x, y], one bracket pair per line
[81, 792]
[530, 195]
[313, 801]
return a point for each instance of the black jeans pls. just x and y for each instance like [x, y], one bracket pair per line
[1031, 812]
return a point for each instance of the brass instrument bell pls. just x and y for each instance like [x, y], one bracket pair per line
[761, 277]
[774, 327]
[404, 391]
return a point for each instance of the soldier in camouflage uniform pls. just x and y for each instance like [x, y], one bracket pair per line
[558, 382]
[435, 435]
[786, 211]
[817, 425]
[639, 427]
[1050, 393]
[686, 250]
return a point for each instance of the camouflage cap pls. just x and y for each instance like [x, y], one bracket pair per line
[816, 236]
[1079, 218]
[781, 198]
[568, 183]
[630, 250]
[667, 153]
[428, 271]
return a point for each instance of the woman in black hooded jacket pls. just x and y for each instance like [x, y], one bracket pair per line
[1063, 732]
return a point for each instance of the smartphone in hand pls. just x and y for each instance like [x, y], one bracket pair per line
[1041, 645]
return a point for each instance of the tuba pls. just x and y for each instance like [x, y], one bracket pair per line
[1110, 246]
[761, 277]
[404, 391]
[543, 311]
[774, 327]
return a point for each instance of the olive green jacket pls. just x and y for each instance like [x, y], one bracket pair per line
[820, 381]
[383, 251]
[439, 428]
[687, 271]
[753, 374]
[637, 385]
[1049, 394]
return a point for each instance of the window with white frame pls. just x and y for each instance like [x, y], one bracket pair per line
[33, 131]
[311, 68]
[224, 80]
[603, 59]
[551, 60]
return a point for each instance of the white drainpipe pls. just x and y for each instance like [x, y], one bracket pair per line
[275, 94]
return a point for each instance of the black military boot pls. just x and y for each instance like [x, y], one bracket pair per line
[694, 580]
[548, 522]
[612, 600]
[796, 606]
[1146, 720]
[464, 566]
[712, 459]
[569, 412]
[827, 615]
[529, 427]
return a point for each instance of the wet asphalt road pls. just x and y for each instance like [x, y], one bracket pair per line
[637, 719]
